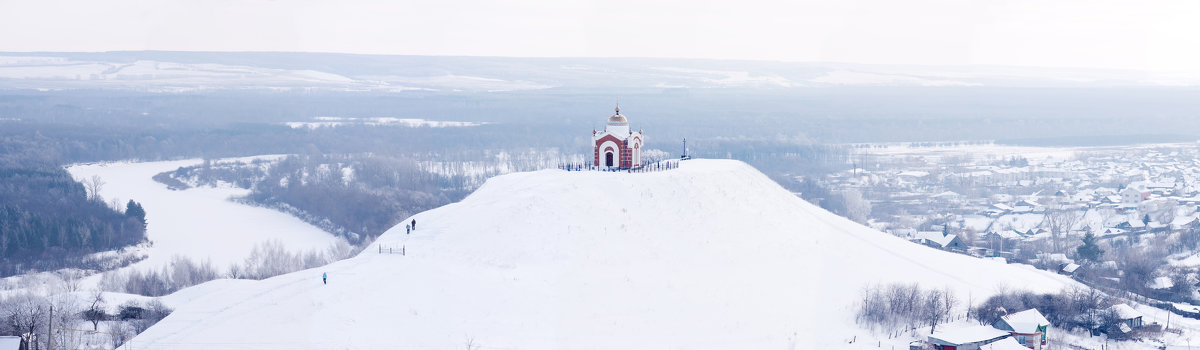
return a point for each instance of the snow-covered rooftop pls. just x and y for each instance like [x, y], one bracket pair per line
[1004, 344]
[1026, 321]
[966, 335]
[1125, 312]
[936, 237]
[1161, 282]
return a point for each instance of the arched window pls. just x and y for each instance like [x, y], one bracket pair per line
[637, 153]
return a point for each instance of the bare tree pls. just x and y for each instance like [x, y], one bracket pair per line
[93, 186]
[27, 313]
[949, 301]
[67, 312]
[934, 309]
[1060, 222]
[235, 271]
[904, 307]
[120, 333]
[71, 280]
[96, 311]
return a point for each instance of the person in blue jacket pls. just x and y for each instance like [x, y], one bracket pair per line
[324, 278]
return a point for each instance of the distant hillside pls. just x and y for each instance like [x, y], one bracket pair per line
[713, 255]
[167, 71]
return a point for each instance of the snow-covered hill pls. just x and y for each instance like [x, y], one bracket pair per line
[713, 255]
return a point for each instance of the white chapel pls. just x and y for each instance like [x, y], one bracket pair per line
[617, 147]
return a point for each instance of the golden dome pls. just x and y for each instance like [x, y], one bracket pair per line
[618, 118]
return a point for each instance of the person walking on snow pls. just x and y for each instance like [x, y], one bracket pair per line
[414, 224]
[324, 278]
[407, 229]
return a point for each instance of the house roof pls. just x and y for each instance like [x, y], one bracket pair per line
[966, 335]
[1026, 322]
[1161, 282]
[914, 173]
[1004, 344]
[936, 237]
[1125, 312]
[1007, 234]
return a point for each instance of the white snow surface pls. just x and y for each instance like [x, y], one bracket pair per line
[198, 223]
[329, 122]
[845, 77]
[713, 255]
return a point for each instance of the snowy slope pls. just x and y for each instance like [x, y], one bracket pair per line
[713, 255]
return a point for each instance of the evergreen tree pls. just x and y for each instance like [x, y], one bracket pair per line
[1089, 251]
[135, 210]
[1146, 220]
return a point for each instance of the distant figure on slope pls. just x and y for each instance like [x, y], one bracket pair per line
[414, 224]
[324, 278]
[407, 229]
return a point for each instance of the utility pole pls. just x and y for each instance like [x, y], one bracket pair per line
[50, 330]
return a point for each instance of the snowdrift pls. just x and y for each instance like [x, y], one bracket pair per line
[713, 255]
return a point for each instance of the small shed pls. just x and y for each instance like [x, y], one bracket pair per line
[966, 338]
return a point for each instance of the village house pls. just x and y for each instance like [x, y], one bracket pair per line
[937, 239]
[1132, 196]
[1128, 318]
[1068, 268]
[1028, 327]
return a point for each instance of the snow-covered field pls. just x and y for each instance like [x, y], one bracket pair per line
[713, 255]
[198, 223]
[329, 122]
[845, 77]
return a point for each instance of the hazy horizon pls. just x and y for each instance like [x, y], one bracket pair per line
[1153, 37]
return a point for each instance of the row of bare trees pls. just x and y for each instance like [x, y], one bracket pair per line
[899, 307]
[267, 259]
[32, 316]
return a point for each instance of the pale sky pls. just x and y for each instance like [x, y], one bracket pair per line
[1144, 35]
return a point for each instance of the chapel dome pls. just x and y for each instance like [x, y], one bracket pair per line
[618, 118]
